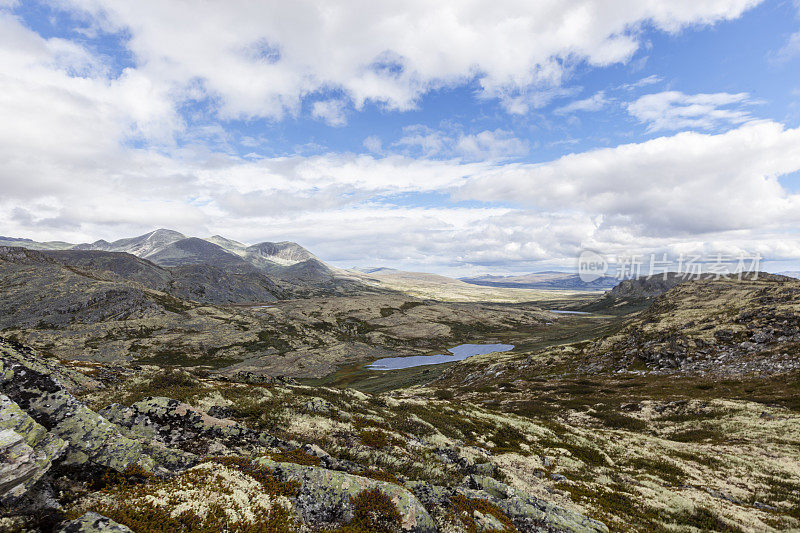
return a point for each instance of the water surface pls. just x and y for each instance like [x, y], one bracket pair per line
[457, 353]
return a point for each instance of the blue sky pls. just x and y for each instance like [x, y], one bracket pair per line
[503, 137]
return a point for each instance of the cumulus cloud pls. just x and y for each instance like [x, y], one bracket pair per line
[89, 152]
[708, 192]
[261, 59]
[673, 110]
[686, 184]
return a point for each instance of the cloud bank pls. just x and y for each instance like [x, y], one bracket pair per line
[90, 150]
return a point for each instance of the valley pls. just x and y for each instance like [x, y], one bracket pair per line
[133, 385]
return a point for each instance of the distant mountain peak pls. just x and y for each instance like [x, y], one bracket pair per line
[283, 253]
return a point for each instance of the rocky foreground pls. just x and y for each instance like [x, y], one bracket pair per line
[160, 464]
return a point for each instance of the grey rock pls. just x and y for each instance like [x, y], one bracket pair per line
[482, 469]
[90, 438]
[92, 522]
[528, 512]
[485, 523]
[27, 450]
[175, 424]
[325, 496]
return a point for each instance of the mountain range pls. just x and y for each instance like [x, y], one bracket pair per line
[543, 280]
[286, 265]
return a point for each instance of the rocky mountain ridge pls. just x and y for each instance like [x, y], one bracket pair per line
[284, 261]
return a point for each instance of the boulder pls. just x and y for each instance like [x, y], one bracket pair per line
[27, 450]
[325, 496]
[173, 423]
[90, 438]
[92, 522]
[528, 512]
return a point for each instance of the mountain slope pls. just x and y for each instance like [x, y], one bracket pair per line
[282, 253]
[717, 326]
[192, 251]
[34, 245]
[141, 246]
[543, 280]
[198, 281]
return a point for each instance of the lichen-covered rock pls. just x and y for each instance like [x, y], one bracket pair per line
[92, 522]
[326, 496]
[26, 450]
[173, 423]
[528, 512]
[90, 438]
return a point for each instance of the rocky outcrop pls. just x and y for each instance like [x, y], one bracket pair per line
[326, 496]
[526, 512]
[177, 425]
[730, 327]
[529, 512]
[89, 437]
[27, 451]
[93, 523]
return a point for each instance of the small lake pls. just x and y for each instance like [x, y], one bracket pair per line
[457, 353]
[568, 312]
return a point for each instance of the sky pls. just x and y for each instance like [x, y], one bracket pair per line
[460, 136]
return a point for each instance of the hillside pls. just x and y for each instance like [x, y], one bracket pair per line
[543, 280]
[687, 401]
[443, 288]
[115, 307]
[570, 437]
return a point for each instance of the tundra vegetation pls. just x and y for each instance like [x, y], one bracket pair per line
[676, 411]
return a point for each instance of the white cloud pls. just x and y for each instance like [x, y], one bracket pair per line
[71, 171]
[672, 110]
[486, 145]
[708, 192]
[374, 144]
[595, 102]
[261, 59]
[789, 50]
[686, 184]
[493, 145]
[649, 80]
[331, 111]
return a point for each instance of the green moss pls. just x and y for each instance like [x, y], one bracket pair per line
[586, 454]
[704, 520]
[508, 439]
[444, 394]
[171, 383]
